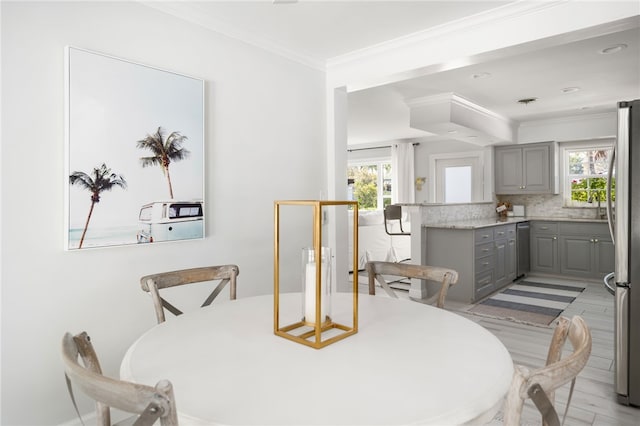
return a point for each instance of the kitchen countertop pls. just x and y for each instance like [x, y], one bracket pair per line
[486, 222]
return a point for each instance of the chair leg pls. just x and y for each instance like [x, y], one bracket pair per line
[515, 400]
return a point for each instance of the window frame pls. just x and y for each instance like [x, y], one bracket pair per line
[379, 162]
[583, 145]
[474, 159]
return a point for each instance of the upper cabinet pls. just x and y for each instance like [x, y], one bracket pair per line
[526, 169]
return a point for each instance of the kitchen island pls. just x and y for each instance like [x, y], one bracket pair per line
[484, 253]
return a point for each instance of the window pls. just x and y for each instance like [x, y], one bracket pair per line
[370, 184]
[185, 210]
[457, 184]
[585, 173]
[457, 178]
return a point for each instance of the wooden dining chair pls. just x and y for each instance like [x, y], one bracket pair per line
[539, 385]
[224, 274]
[378, 270]
[148, 403]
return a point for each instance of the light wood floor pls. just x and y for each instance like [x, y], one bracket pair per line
[593, 401]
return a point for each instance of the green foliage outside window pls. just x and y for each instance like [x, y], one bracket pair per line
[587, 170]
[365, 185]
[591, 189]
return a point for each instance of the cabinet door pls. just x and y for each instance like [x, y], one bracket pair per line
[575, 255]
[508, 170]
[544, 254]
[536, 172]
[501, 263]
[511, 260]
[604, 257]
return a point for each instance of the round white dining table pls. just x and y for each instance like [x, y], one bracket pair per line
[409, 363]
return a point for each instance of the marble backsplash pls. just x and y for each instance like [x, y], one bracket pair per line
[535, 206]
[550, 206]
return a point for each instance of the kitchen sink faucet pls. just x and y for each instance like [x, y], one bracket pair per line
[599, 214]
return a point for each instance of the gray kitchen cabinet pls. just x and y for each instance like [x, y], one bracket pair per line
[484, 258]
[604, 256]
[586, 249]
[484, 263]
[526, 169]
[505, 254]
[576, 255]
[544, 247]
[512, 254]
[577, 249]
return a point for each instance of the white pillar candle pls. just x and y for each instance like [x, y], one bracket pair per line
[310, 286]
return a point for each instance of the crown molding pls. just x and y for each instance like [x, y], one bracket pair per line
[192, 12]
[570, 119]
[457, 100]
[489, 17]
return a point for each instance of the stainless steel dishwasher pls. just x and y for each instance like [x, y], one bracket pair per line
[522, 240]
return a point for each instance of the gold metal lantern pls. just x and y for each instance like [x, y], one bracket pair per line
[316, 327]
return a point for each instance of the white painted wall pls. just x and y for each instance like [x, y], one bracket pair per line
[265, 132]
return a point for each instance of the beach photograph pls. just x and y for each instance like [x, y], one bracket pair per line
[135, 152]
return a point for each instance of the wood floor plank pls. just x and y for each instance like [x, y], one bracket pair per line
[593, 402]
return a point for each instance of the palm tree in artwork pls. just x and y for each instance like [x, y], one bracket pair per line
[164, 150]
[100, 180]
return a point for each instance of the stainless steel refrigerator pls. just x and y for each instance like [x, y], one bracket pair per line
[624, 223]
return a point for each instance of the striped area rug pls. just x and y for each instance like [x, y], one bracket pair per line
[530, 301]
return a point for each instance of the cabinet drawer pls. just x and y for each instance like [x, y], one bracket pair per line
[485, 264]
[504, 231]
[483, 285]
[544, 227]
[483, 250]
[483, 235]
[585, 228]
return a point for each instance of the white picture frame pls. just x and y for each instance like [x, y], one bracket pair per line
[121, 119]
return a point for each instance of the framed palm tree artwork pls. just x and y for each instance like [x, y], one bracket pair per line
[134, 138]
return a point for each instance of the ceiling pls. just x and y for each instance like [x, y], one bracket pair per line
[314, 32]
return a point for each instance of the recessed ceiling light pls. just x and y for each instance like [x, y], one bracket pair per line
[613, 49]
[527, 101]
[452, 131]
[472, 136]
[570, 89]
[481, 75]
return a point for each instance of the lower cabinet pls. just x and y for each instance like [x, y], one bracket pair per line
[578, 249]
[505, 252]
[484, 258]
[544, 247]
[586, 250]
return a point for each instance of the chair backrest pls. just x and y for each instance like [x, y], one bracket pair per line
[393, 214]
[378, 270]
[225, 274]
[150, 403]
[540, 384]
